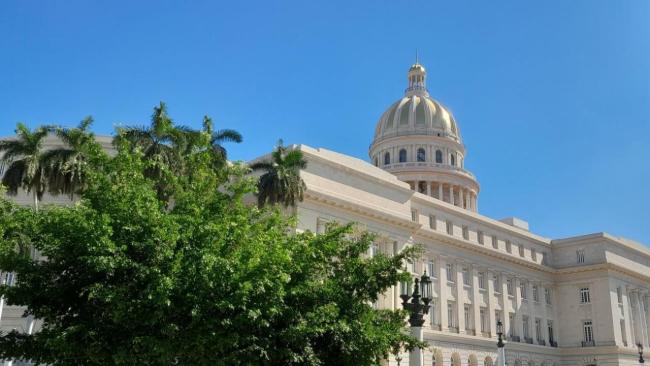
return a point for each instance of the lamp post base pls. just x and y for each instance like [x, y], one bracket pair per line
[415, 356]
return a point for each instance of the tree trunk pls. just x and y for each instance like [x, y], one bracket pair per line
[35, 200]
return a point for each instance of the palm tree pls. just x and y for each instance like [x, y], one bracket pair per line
[66, 166]
[281, 181]
[170, 143]
[22, 163]
[156, 140]
[217, 138]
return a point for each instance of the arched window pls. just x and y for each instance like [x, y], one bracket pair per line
[488, 361]
[453, 159]
[453, 361]
[421, 154]
[433, 360]
[387, 158]
[402, 156]
[438, 156]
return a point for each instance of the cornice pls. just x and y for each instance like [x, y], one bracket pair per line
[474, 216]
[393, 182]
[482, 250]
[361, 208]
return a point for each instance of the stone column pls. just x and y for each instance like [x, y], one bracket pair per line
[647, 317]
[505, 311]
[642, 319]
[451, 194]
[490, 304]
[429, 189]
[440, 195]
[467, 203]
[476, 304]
[442, 293]
[532, 309]
[629, 318]
[518, 313]
[460, 301]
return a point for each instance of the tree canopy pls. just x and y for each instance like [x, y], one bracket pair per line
[129, 278]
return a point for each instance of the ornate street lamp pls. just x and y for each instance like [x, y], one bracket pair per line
[418, 307]
[500, 343]
[501, 354]
[639, 346]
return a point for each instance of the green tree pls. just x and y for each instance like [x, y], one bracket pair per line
[67, 164]
[281, 181]
[23, 164]
[169, 145]
[207, 281]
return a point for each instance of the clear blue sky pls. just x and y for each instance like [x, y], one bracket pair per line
[552, 97]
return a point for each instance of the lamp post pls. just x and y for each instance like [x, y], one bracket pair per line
[640, 348]
[501, 358]
[417, 308]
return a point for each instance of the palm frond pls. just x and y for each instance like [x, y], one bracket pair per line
[226, 135]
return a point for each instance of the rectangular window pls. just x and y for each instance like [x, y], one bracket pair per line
[522, 290]
[544, 258]
[410, 265]
[510, 287]
[468, 317]
[549, 324]
[374, 249]
[533, 254]
[547, 295]
[521, 250]
[511, 319]
[465, 232]
[466, 277]
[524, 320]
[431, 268]
[450, 273]
[538, 329]
[481, 280]
[580, 254]
[508, 246]
[450, 228]
[432, 222]
[414, 215]
[7, 278]
[588, 331]
[535, 293]
[495, 242]
[433, 314]
[480, 238]
[484, 320]
[585, 297]
[451, 319]
[497, 283]
[619, 294]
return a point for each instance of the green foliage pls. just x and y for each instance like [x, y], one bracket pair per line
[200, 278]
[281, 181]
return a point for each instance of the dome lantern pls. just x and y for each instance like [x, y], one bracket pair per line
[417, 76]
